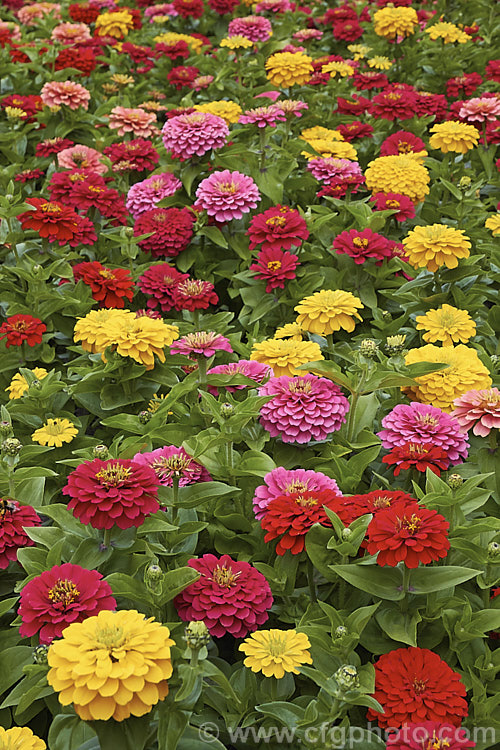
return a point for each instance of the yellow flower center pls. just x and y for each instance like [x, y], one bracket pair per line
[404, 147]
[427, 419]
[360, 242]
[299, 386]
[276, 221]
[381, 502]
[19, 325]
[435, 744]
[106, 273]
[227, 187]
[167, 466]
[51, 208]
[193, 286]
[411, 524]
[306, 502]
[391, 203]
[113, 475]
[274, 265]
[296, 486]
[110, 637]
[277, 644]
[394, 96]
[64, 592]
[225, 576]
[95, 189]
[419, 686]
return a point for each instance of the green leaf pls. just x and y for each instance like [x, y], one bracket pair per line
[426, 580]
[204, 738]
[288, 713]
[398, 626]
[176, 581]
[194, 495]
[171, 726]
[129, 588]
[328, 370]
[12, 662]
[215, 235]
[383, 582]
[68, 732]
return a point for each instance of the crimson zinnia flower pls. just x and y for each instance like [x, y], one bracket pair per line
[275, 267]
[116, 491]
[374, 502]
[159, 282]
[138, 154]
[422, 456]
[408, 533]
[50, 219]
[52, 146]
[19, 328]
[278, 228]
[394, 104]
[396, 202]
[182, 76]
[293, 515]
[189, 8]
[109, 285]
[59, 596]
[362, 245]
[172, 230]
[13, 520]
[81, 58]
[429, 735]
[194, 294]
[229, 597]
[402, 142]
[415, 685]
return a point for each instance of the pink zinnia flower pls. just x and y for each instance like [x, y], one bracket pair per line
[278, 228]
[82, 158]
[392, 201]
[281, 481]
[263, 116]
[29, 14]
[194, 294]
[325, 169]
[362, 245]
[422, 423]
[14, 519]
[169, 462]
[227, 195]
[256, 371]
[68, 93]
[430, 734]
[196, 133]
[158, 282]
[255, 28]
[293, 107]
[172, 230]
[144, 195]
[71, 33]
[229, 597]
[201, 344]
[275, 267]
[480, 108]
[479, 410]
[137, 121]
[303, 408]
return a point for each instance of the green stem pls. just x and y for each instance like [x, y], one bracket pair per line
[106, 542]
[352, 411]
[229, 456]
[406, 588]
[196, 319]
[202, 370]
[310, 580]
[175, 490]
[12, 483]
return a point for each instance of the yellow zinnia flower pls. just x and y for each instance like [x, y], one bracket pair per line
[116, 24]
[465, 372]
[447, 324]
[454, 136]
[142, 338]
[93, 330]
[19, 385]
[493, 223]
[380, 62]
[275, 652]
[436, 245]
[55, 432]
[327, 311]
[236, 42]
[285, 355]
[391, 22]
[171, 37]
[229, 111]
[289, 331]
[14, 113]
[359, 50]
[335, 67]
[398, 174]
[448, 32]
[20, 738]
[112, 665]
[329, 148]
[319, 132]
[288, 68]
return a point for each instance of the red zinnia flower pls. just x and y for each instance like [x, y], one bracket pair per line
[52, 146]
[139, 154]
[19, 328]
[429, 735]
[223, 6]
[278, 228]
[362, 245]
[293, 515]
[429, 104]
[159, 282]
[182, 76]
[59, 596]
[339, 186]
[109, 286]
[172, 230]
[50, 219]
[392, 201]
[28, 175]
[275, 267]
[369, 79]
[83, 12]
[409, 533]
[394, 104]
[358, 105]
[492, 73]
[85, 233]
[87, 194]
[229, 597]
[13, 519]
[420, 455]
[189, 8]
[401, 142]
[347, 30]
[62, 185]
[117, 491]
[74, 57]
[355, 129]
[374, 502]
[179, 49]
[415, 685]
[194, 294]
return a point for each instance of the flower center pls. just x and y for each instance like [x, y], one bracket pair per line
[306, 502]
[427, 419]
[77, 178]
[274, 265]
[113, 475]
[391, 203]
[276, 644]
[63, 592]
[227, 187]
[109, 637]
[419, 686]
[106, 273]
[192, 287]
[411, 524]
[393, 96]
[51, 208]
[381, 502]
[435, 744]
[200, 338]
[19, 325]
[276, 221]
[225, 576]
[360, 242]
[300, 386]
[95, 189]
[54, 428]
[417, 449]
[168, 466]
[492, 398]
[296, 486]
[404, 147]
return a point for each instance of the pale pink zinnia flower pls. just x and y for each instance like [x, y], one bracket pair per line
[302, 408]
[196, 133]
[255, 28]
[327, 168]
[68, 93]
[478, 409]
[81, 157]
[306, 35]
[227, 195]
[163, 9]
[29, 14]
[144, 195]
[422, 423]
[137, 121]
[71, 33]
[263, 116]
[293, 107]
[201, 344]
[171, 462]
[256, 371]
[480, 109]
[282, 481]
[202, 82]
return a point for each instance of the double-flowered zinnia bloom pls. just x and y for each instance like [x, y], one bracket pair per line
[110, 286]
[276, 652]
[398, 174]
[391, 22]
[436, 245]
[170, 462]
[14, 518]
[55, 432]
[116, 24]
[140, 338]
[254, 371]
[20, 738]
[57, 597]
[229, 597]
[278, 228]
[20, 328]
[289, 68]
[143, 196]
[50, 219]
[453, 136]
[275, 267]
[227, 195]
[419, 456]
[327, 311]
[446, 324]
[286, 355]
[448, 32]
[68, 93]
[360, 245]
[129, 120]
[158, 282]
[195, 134]
[171, 228]
[478, 410]
[281, 481]
[201, 344]
[111, 666]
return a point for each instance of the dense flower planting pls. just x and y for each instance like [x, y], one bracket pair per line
[249, 319]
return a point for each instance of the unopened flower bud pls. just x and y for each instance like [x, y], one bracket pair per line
[386, 315]
[39, 654]
[395, 344]
[464, 182]
[5, 428]
[227, 410]
[36, 384]
[127, 232]
[100, 451]
[196, 635]
[495, 359]
[154, 573]
[11, 446]
[144, 416]
[494, 551]
[368, 348]
[455, 481]
[347, 677]
[340, 631]
[346, 534]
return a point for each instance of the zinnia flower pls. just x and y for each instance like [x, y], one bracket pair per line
[81, 157]
[276, 652]
[227, 109]
[110, 286]
[67, 93]
[139, 154]
[50, 219]
[171, 462]
[327, 311]
[396, 202]
[403, 142]
[278, 228]
[478, 410]
[275, 267]
[229, 597]
[20, 738]
[398, 174]
[227, 195]
[436, 245]
[429, 734]
[20, 328]
[14, 518]
[137, 121]
[391, 22]
[302, 409]
[263, 116]
[158, 282]
[194, 134]
[19, 385]
[116, 491]
[255, 371]
[141, 338]
[281, 481]
[493, 224]
[116, 23]
[374, 502]
[415, 685]
[55, 432]
[255, 28]
[453, 136]
[446, 324]
[421, 456]
[57, 597]
[201, 344]
[172, 230]
[71, 33]
[112, 665]
[194, 294]
[448, 32]
[480, 109]
[361, 245]
[144, 195]
[285, 355]
[93, 330]
[289, 68]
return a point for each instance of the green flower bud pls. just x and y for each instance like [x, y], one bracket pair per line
[386, 315]
[39, 654]
[5, 428]
[464, 182]
[494, 551]
[11, 446]
[36, 384]
[196, 635]
[347, 677]
[346, 534]
[227, 410]
[455, 481]
[340, 631]
[154, 573]
[100, 451]
[368, 348]
[144, 417]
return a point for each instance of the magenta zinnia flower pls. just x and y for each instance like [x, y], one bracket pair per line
[479, 410]
[362, 245]
[172, 230]
[430, 734]
[328, 167]
[201, 344]
[59, 596]
[263, 116]
[255, 28]
[158, 282]
[275, 267]
[194, 294]
[422, 423]
[169, 462]
[281, 481]
[277, 228]
[229, 597]
[144, 195]
[256, 371]
[303, 408]
[13, 520]
[194, 134]
[227, 195]
[116, 491]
